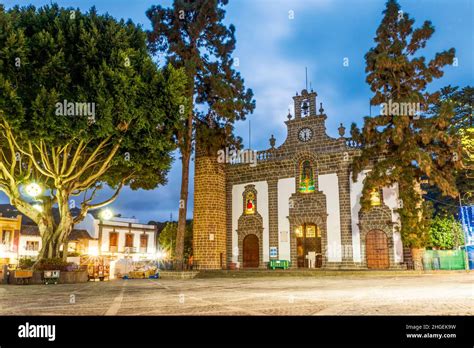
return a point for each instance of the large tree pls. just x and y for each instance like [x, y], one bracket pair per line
[462, 124]
[401, 146]
[193, 36]
[53, 57]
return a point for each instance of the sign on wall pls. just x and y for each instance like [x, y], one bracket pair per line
[273, 252]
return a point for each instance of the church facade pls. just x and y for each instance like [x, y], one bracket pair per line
[295, 202]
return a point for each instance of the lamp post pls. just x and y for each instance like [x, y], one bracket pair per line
[104, 215]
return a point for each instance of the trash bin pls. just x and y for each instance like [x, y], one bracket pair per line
[51, 277]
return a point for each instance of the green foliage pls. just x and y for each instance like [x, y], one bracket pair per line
[25, 263]
[52, 54]
[446, 233]
[194, 37]
[462, 125]
[401, 147]
[52, 264]
[167, 239]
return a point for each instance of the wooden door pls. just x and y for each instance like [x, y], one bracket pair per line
[250, 251]
[376, 249]
[308, 239]
[129, 240]
[143, 243]
[113, 242]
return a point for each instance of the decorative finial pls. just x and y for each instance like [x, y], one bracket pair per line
[289, 115]
[321, 110]
[342, 130]
[272, 141]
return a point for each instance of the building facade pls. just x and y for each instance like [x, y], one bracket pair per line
[120, 238]
[294, 202]
[10, 228]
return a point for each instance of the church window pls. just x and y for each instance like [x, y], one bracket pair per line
[375, 199]
[299, 231]
[250, 203]
[310, 231]
[306, 178]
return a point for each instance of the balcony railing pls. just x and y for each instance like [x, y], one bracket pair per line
[130, 250]
[353, 144]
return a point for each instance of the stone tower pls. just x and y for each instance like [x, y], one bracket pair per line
[209, 225]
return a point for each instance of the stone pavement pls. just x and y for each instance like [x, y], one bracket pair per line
[428, 294]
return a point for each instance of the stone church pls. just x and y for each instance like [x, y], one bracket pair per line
[298, 202]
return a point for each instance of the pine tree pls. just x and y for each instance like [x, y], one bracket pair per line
[192, 35]
[399, 145]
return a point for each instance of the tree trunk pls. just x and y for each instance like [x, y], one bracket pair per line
[50, 243]
[186, 151]
[417, 256]
[53, 236]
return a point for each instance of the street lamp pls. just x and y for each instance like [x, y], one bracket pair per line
[106, 214]
[33, 189]
[160, 255]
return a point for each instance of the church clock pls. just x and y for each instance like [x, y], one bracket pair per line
[305, 134]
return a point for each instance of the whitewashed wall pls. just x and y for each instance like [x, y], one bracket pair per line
[356, 193]
[329, 184]
[22, 245]
[262, 208]
[122, 231]
[390, 198]
[286, 187]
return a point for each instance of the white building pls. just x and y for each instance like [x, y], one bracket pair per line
[120, 238]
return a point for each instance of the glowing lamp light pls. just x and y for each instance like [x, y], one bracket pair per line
[38, 207]
[33, 189]
[93, 251]
[106, 214]
[160, 255]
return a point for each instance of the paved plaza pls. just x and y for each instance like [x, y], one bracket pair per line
[427, 294]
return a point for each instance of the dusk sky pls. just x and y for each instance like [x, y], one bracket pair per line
[273, 51]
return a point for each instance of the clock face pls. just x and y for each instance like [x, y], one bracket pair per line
[305, 134]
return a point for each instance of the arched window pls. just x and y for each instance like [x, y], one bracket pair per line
[250, 203]
[375, 199]
[307, 184]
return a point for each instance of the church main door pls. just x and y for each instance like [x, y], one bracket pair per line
[250, 251]
[308, 246]
[376, 250]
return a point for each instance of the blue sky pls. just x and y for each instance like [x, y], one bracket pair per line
[274, 49]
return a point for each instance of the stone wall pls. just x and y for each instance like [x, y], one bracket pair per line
[209, 225]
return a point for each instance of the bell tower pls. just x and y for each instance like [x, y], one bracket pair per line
[305, 104]
[209, 217]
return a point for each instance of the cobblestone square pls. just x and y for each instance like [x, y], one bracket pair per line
[428, 294]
